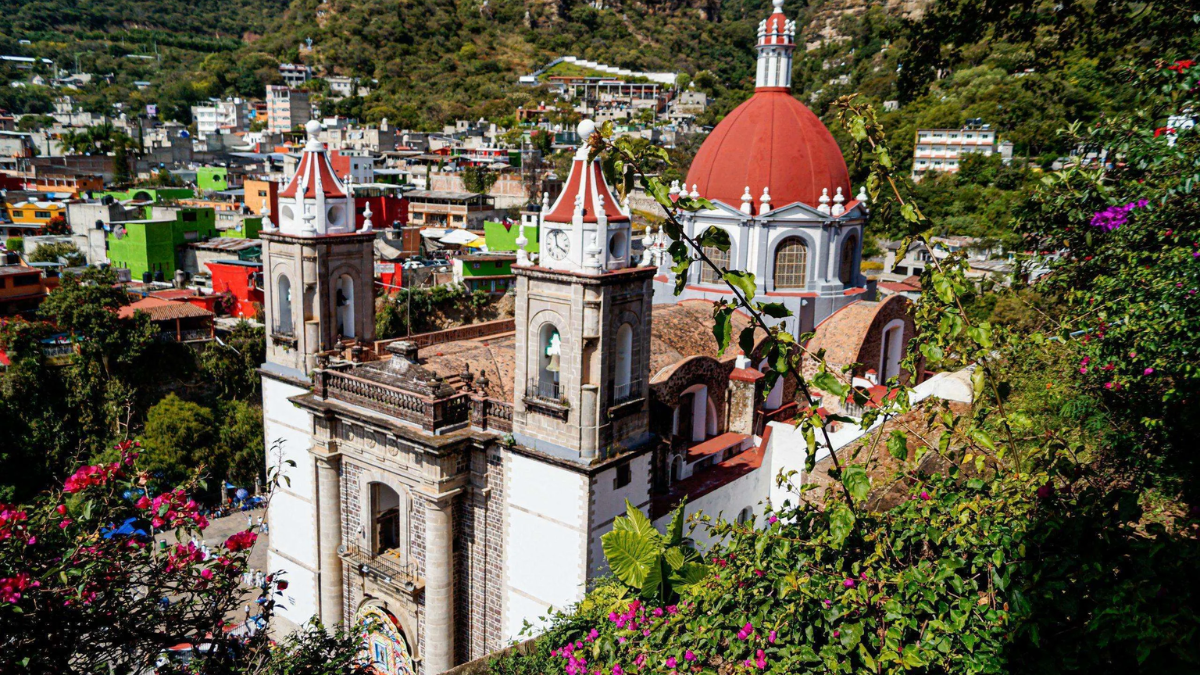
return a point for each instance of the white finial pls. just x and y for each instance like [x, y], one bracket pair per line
[308, 230]
[777, 4]
[747, 201]
[862, 194]
[545, 202]
[313, 128]
[367, 219]
[522, 242]
[824, 201]
[765, 199]
[267, 226]
[674, 188]
[838, 209]
[695, 192]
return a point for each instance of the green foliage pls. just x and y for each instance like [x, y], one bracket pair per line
[478, 180]
[232, 364]
[15, 244]
[52, 252]
[658, 566]
[179, 436]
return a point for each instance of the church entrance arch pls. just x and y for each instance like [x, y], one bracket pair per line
[383, 646]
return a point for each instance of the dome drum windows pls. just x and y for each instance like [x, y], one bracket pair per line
[790, 270]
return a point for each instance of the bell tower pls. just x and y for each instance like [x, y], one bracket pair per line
[583, 325]
[318, 271]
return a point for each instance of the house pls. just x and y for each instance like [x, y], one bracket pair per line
[261, 196]
[430, 208]
[243, 280]
[22, 287]
[32, 216]
[176, 320]
[151, 247]
[197, 255]
[488, 272]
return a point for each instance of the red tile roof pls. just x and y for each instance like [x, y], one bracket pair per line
[163, 310]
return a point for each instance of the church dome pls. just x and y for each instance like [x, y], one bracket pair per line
[771, 141]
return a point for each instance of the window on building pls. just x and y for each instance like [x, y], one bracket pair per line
[846, 264]
[791, 262]
[3, 282]
[345, 306]
[189, 216]
[25, 280]
[720, 259]
[623, 477]
[746, 515]
[42, 214]
[623, 377]
[283, 322]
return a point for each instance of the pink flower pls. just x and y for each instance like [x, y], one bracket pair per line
[62, 524]
[641, 658]
[240, 541]
[657, 611]
[689, 655]
[849, 583]
[593, 634]
[206, 573]
[837, 633]
[760, 660]
[616, 669]
[621, 639]
[758, 573]
[671, 662]
[672, 609]
[772, 520]
[1148, 371]
[924, 496]
[61, 509]
[746, 631]
[1083, 371]
[143, 503]
[771, 637]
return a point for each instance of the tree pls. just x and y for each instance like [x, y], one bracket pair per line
[100, 576]
[241, 448]
[52, 253]
[478, 180]
[180, 436]
[232, 365]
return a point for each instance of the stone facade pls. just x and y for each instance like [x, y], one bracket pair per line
[301, 278]
[587, 311]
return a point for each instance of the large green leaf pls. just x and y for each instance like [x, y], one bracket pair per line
[690, 574]
[828, 383]
[635, 521]
[675, 528]
[743, 281]
[674, 558]
[633, 558]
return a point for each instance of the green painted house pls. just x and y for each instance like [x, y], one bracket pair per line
[491, 272]
[501, 238]
[212, 178]
[153, 244]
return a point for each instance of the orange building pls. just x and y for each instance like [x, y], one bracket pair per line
[68, 184]
[259, 193]
[22, 288]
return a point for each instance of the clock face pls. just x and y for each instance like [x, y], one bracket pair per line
[557, 244]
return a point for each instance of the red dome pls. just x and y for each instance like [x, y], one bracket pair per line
[770, 141]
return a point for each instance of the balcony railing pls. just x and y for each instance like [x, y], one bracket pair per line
[630, 391]
[384, 568]
[545, 390]
[429, 414]
[491, 415]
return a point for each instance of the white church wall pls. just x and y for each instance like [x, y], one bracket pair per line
[608, 502]
[726, 502]
[291, 516]
[546, 525]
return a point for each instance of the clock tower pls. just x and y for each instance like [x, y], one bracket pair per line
[583, 317]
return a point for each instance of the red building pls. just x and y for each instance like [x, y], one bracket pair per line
[388, 206]
[243, 280]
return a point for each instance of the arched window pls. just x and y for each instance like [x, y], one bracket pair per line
[345, 306]
[892, 350]
[677, 469]
[746, 515]
[846, 271]
[385, 519]
[791, 263]
[720, 258]
[549, 353]
[283, 319]
[623, 377]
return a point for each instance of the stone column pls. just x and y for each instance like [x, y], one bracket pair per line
[329, 533]
[439, 585]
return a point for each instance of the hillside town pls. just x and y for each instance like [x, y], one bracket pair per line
[808, 352]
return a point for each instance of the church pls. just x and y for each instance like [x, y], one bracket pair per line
[442, 494]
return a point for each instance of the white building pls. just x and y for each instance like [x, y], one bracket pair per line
[224, 116]
[341, 86]
[295, 74]
[944, 149]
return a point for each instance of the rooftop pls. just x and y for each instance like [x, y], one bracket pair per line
[162, 310]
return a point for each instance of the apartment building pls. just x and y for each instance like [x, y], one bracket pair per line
[944, 149]
[221, 117]
[287, 108]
